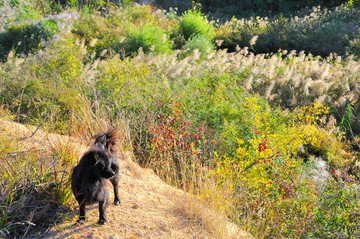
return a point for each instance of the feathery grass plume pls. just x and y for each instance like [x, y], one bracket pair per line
[200, 42]
[93, 42]
[253, 40]
[321, 99]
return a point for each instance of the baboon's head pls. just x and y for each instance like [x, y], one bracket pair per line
[106, 141]
[99, 160]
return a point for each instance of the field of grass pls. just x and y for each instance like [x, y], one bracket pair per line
[244, 114]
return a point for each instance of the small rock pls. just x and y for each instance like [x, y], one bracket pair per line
[162, 228]
[135, 205]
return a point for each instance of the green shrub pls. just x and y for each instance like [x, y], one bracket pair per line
[14, 11]
[149, 37]
[138, 13]
[268, 178]
[199, 42]
[142, 25]
[194, 23]
[26, 38]
[50, 93]
[99, 32]
[336, 215]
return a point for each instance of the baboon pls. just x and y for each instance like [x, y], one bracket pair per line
[107, 141]
[89, 176]
[88, 181]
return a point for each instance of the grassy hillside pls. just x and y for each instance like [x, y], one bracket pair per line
[242, 114]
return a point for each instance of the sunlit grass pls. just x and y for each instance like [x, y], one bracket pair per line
[253, 138]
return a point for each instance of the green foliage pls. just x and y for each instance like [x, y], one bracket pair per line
[248, 7]
[48, 7]
[193, 23]
[28, 10]
[136, 24]
[26, 38]
[99, 32]
[171, 145]
[124, 90]
[148, 37]
[49, 93]
[267, 188]
[336, 214]
[87, 3]
[319, 32]
[354, 47]
[269, 180]
[29, 13]
[200, 42]
[138, 13]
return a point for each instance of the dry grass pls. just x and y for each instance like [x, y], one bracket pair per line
[205, 206]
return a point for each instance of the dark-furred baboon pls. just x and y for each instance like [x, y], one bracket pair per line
[89, 176]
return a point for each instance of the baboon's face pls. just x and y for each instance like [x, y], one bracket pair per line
[102, 166]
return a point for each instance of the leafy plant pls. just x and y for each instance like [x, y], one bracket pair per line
[200, 42]
[148, 37]
[26, 38]
[337, 210]
[99, 32]
[193, 23]
[170, 145]
[266, 177]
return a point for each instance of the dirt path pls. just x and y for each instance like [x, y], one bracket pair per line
[149, 207]
[147, 210]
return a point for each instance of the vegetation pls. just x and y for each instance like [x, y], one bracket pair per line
[35, 187]
[265, 7]
[265, 137]
[319, 31]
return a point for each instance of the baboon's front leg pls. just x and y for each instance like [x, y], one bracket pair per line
[102, 218]
[115, 181]
[102, 208]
